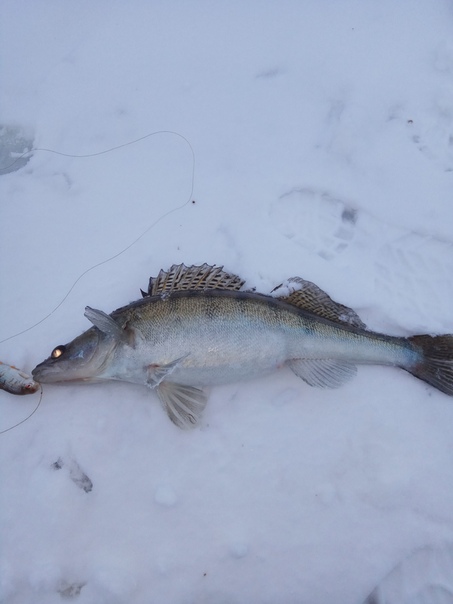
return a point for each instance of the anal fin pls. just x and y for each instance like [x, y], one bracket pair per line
[323, 373]
[183, 404]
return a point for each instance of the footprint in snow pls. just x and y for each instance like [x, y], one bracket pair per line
[425, 577]
[433, 136]
[75, 472]
[405, 264]
[69, 591]
[315, 220]
[412, 266]
[432, 131]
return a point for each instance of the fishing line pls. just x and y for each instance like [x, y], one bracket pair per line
[137, 140]
[151, 226]
[28, 416]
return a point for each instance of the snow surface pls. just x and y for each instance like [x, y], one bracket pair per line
[322, 133]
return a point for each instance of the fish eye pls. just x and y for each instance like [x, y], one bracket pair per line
[58, 351]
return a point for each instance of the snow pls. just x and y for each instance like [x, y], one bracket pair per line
[293, 138]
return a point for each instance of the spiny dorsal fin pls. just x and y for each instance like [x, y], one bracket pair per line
[308, 296]
[180, 277]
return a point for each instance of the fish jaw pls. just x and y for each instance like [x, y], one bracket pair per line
[83, 359]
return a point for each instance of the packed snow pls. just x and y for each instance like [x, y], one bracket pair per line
[310, 139]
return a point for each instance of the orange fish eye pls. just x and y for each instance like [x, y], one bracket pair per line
[57, 352]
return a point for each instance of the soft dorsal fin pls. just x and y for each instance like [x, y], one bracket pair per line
[180, 277]
[308, 296]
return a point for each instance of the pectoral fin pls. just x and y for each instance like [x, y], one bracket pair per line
[323, 373]
[183, 404]
[157, 373]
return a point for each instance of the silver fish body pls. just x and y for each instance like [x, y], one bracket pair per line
[220, 337]
[181, 339]
[15, 381]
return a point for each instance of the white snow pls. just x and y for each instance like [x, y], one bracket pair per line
[322, 136]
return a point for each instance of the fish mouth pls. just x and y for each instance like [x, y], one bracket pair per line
[76, 361]
[46, 374]
[52, 375]
[30, 388]
[82, 360]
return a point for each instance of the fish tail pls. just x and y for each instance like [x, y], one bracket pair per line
[436, 365]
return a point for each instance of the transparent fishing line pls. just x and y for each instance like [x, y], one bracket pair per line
[117, 254]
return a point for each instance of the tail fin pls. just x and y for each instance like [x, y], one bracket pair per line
[436, 368]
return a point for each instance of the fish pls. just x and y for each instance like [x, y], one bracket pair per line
[15, 381]
[197, 327]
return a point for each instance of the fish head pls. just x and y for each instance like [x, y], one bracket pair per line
[26, 385]
[82, 359]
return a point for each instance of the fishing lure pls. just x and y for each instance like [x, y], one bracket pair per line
[15, 381]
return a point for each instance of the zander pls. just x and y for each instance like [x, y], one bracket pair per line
[197, 327]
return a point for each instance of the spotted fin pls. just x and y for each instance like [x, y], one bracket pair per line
[180, 277]
[183, 404]
[323, 373]
[308, 296]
